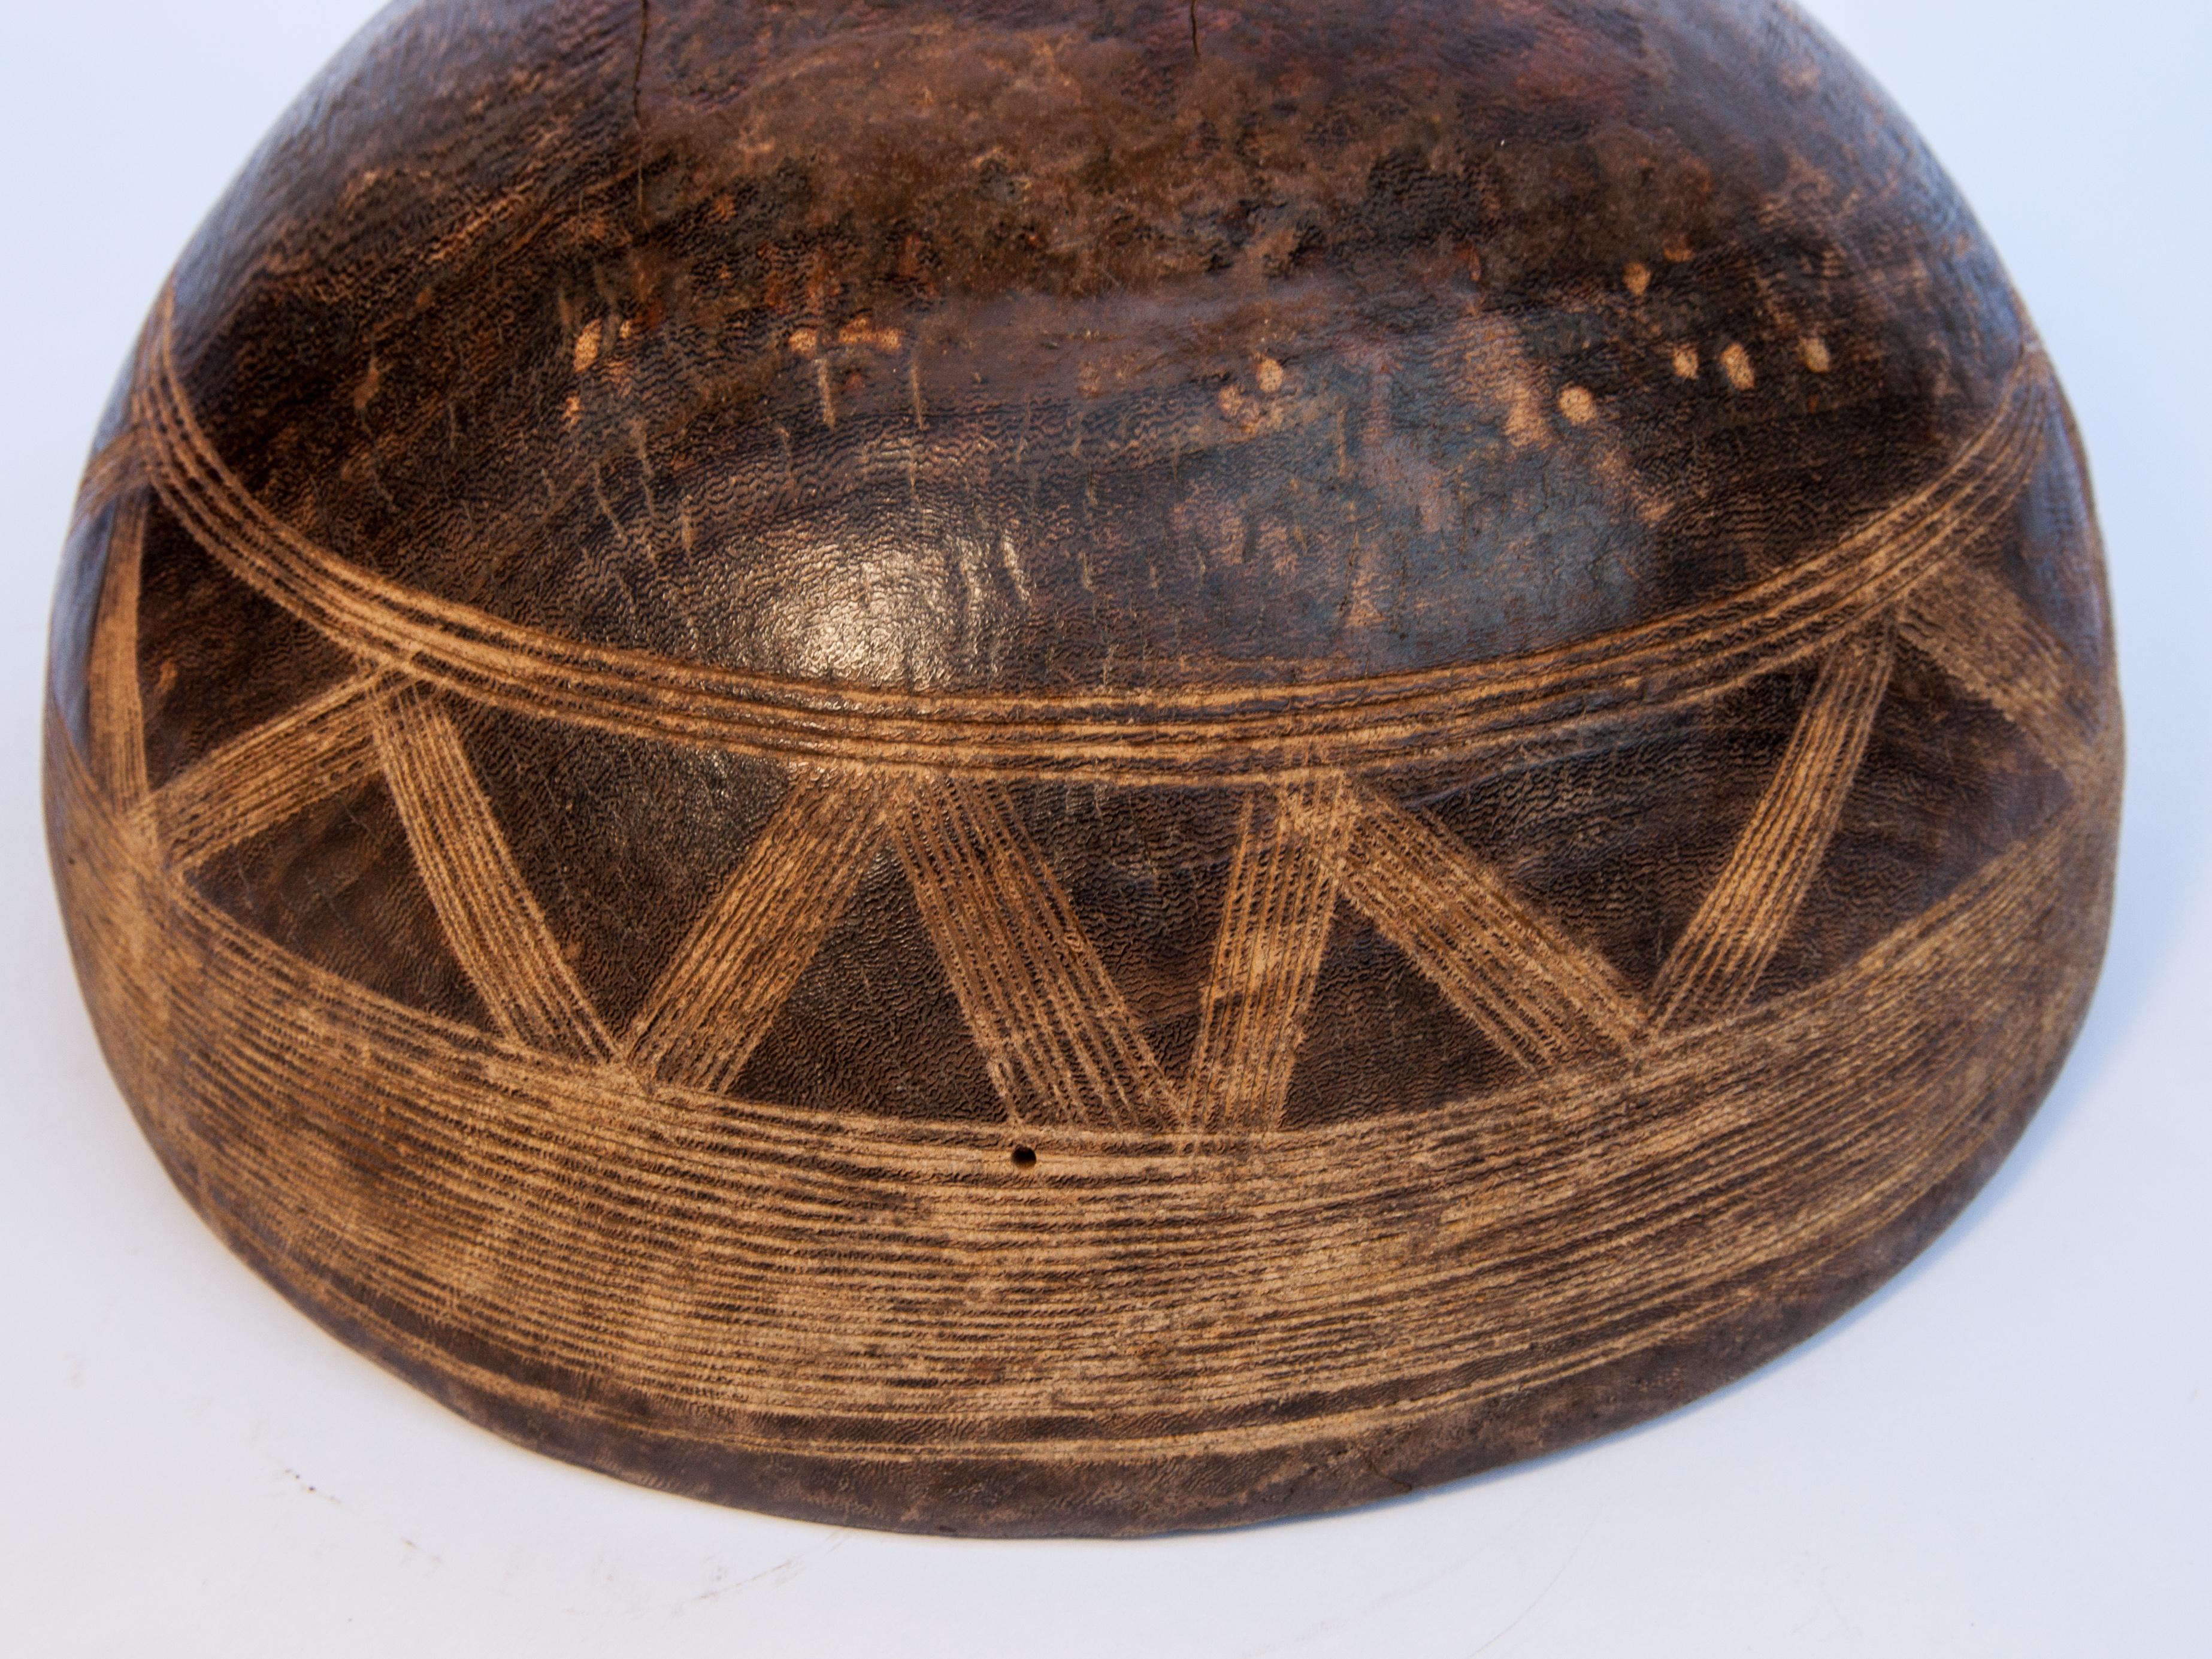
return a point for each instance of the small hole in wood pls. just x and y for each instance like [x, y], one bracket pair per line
[1024, 1156]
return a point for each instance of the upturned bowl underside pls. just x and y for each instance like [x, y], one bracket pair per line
[1037, 767]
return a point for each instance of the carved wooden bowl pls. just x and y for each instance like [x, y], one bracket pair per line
[1060, 765]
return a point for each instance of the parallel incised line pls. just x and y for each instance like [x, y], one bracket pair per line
[107, 475]
[1443, 1257]
[731, 976]
[1985, 638]
[274, 772]
[1154, 734]
[1536, 994]
[115, 715]
[1267, 956]
[491, 918]
[1061, 1042]
[1713, 967]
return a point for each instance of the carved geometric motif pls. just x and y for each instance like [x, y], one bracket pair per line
[870, 774]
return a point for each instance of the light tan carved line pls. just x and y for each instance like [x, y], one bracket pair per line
[713, 1005]
[114, 715]
[1060, 1041]
[281, 1013]
[1985, 639]
[1536, 994]
[113, 470]
[1160, 734]
[490, 917]
[1267, 957]
[273, 773]
[1715, 966]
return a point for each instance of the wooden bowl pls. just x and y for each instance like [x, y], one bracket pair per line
[1071, 766]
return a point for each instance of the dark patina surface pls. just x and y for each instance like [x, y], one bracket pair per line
[1123, 458]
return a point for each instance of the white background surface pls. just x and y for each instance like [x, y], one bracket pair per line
[2005, 1452]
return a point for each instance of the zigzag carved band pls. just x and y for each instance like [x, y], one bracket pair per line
[545, 1240]
[1131, 737]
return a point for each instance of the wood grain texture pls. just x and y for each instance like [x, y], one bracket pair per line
[1546, 695]
[1135, 770]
